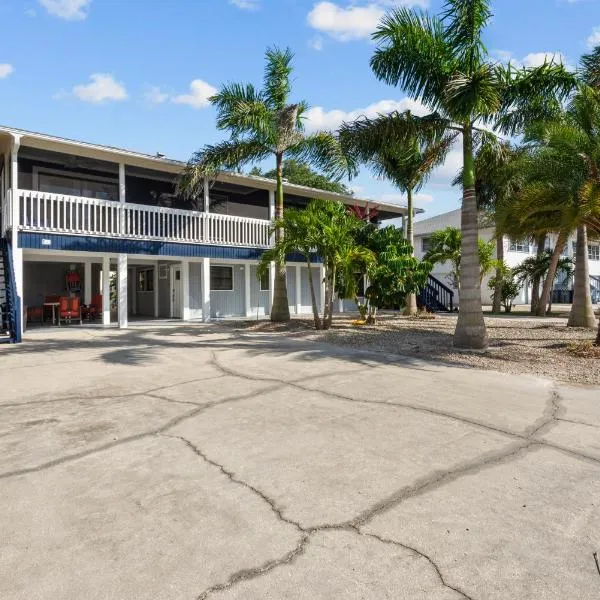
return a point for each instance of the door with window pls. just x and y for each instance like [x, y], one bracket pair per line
[176, 292]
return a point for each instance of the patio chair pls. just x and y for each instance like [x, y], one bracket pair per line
[75, 309]
[64, 311]
[91, 311]
[35, 313]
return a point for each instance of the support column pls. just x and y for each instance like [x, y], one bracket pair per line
[156, 310]
[17, 252]
[340, 305]
[185, 291]
[298, 271]
[271, 284]
[206, 290]
[122, 289]
[271, 204]
[206, 190]
[247, 291]
[87, 282]
[122, 196]
[106, 290]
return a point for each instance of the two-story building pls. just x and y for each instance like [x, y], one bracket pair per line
[515, 251]
[104, 223]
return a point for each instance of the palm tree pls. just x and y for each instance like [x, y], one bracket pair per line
[446, 246]
[262, 124]
[325, 229]
[443, 63]
[565, 176]
[407, 166]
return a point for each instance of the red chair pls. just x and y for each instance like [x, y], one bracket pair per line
[75, 309]
[92, 310]
[35, 313]
[64, 311]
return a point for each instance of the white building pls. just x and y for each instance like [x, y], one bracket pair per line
[514, 253]
[76, 215]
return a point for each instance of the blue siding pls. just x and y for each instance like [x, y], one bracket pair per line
[102, 245]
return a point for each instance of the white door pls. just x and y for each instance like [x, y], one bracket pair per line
[176, 292]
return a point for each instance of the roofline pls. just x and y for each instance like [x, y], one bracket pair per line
[173, 166]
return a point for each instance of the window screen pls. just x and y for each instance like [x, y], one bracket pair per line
[221, 279]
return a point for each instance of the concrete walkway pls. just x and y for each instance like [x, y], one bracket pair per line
[194, 462]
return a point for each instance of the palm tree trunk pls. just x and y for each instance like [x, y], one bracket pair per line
[535, 284]
[597, 342]
[280, 311]
[331, 297]
[470, 327]
[497, 301]
[544, 300]
[313, 296]
[411, 299]
[582, 311]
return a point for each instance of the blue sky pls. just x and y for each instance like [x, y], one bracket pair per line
[136, 73]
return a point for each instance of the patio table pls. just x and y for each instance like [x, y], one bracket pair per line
[54, 306]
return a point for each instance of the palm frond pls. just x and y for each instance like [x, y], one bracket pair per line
[466, 20]
[211, 159]
[278, 69]
[323, 151]
[590, 67]
[413, 53]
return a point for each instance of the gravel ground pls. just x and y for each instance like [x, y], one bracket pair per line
[518, 344]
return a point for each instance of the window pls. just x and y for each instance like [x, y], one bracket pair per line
[519, 246]
[574, 246]
[593, 252]
[426, 244]
[221, 279]
[77, 185]
[145, 280]
[264, 282]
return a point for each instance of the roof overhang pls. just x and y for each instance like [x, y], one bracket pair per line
[45, 141]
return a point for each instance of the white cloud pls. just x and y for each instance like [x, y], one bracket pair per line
[154, 95]
[318, 119]
[534, 59]
[594, 39]
[70, 10]
[5, 70]
[316, 43]
[246, 4]
[103, 87]
[355, 21]
[200, 92]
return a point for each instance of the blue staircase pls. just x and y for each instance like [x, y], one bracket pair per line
[435, 296]
[10, 303]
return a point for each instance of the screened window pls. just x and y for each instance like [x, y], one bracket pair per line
[593, 252]
[426, 244]
[221, 279]
[75, 186]
[145, 280]
[519, 246]
[264, 282]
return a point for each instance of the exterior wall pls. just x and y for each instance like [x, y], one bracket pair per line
[425, 228]
[195, 290]
[291, 288]
[229, 304]
[305, 292]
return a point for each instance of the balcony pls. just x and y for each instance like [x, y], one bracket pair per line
[75, 215]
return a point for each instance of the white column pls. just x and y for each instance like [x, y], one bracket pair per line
[322, 287]
[87, 282]
[122, 289]
[206, 290]
[271, 284]
[298, 289]
[122, 196]
[247, 291]
[185, 291]
[271, 204]
[106, 290]
[340, 305]
[156, 311]
[206, 191]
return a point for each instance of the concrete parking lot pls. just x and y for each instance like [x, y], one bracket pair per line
[201, 462]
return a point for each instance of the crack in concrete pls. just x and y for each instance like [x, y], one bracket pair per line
[307, 533]
[418, 552]
[133, 438]
[551, 414]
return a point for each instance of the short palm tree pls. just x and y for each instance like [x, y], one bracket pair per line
[263, 124]
[443, 62]
[407, 165]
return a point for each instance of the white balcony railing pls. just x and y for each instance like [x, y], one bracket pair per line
[41, 211]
